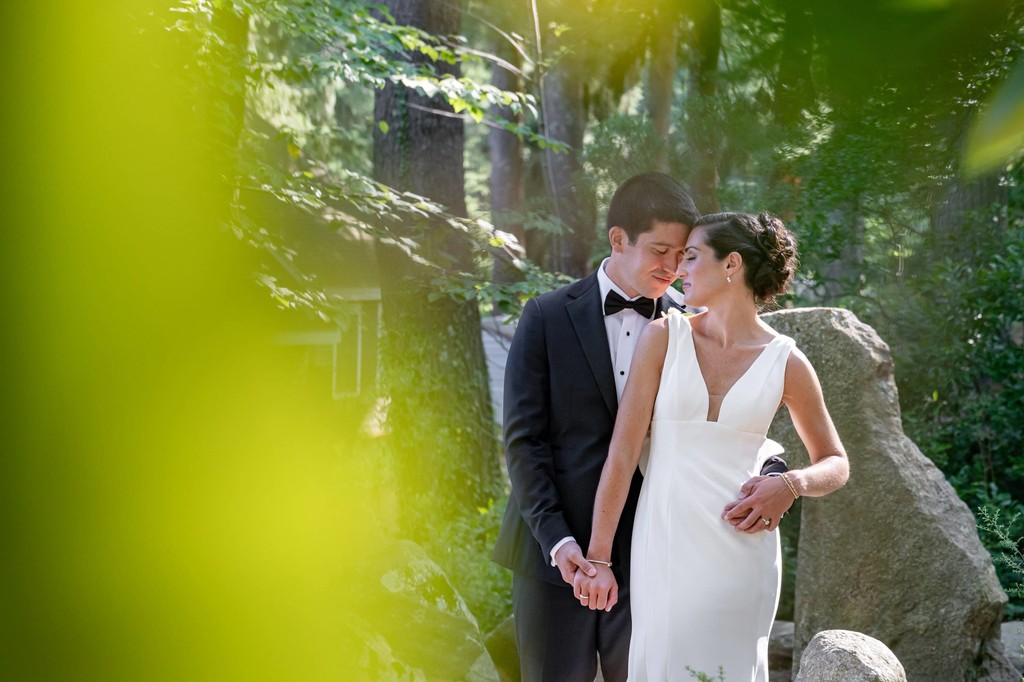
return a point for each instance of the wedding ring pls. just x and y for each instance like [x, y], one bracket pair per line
[584, 596]
[767, 522]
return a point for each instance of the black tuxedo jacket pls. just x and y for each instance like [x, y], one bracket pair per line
[559, 411]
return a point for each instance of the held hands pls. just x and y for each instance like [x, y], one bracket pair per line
[760, 498]
[600, 592]
[593, 585]
[570, 560]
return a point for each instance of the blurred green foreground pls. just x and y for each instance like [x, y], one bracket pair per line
[173, 507]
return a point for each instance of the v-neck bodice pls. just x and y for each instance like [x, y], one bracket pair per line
[749, 404]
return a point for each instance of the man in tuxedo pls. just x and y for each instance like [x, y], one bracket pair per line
[567, 367]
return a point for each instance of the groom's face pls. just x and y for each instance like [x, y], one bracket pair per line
[648, 266]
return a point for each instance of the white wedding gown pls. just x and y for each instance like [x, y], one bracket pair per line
[704, 595]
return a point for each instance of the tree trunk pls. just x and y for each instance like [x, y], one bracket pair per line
[841, 274]
[506, 150]
[564, 119]
[704, 125]
[794, 89]
[793, 93]
[440, 419]
[661, 75]
[962, 217]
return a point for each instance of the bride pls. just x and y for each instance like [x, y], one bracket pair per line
[704, 580]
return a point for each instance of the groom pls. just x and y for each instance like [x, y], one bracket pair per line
[566, 370]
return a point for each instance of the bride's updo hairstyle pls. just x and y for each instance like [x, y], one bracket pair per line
[768, 249]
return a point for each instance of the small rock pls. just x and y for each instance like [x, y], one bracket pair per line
[846, 656]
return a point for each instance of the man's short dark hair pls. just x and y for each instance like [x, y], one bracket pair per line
[647, 197]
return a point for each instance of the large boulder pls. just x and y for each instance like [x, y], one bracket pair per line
[895, 554]
[410, 621]
[844, 656]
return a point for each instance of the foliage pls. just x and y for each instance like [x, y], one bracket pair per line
[463, 549]
[701, 676]
[961, 368]
[1002, 536]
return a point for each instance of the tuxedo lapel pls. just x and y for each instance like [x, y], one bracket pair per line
[587, 317]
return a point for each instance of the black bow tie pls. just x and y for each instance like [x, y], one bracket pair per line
[613, 303]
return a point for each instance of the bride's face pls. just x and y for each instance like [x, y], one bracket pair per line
[701, 273]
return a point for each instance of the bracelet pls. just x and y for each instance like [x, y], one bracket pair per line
[602, 563]
[789, 484]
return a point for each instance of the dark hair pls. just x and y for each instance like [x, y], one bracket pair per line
[768, 249]
[647, 197]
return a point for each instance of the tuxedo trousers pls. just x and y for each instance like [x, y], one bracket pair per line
[559, 640]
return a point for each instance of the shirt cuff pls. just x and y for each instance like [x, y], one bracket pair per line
[558, 545]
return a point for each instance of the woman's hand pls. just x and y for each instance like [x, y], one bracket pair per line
[760, 498]
[599, 593]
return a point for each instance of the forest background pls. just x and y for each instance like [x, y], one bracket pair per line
[179, 497]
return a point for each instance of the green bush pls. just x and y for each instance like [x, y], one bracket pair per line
[462, 548]
[958, 343]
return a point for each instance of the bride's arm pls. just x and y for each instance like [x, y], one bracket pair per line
[829, 467]
[768, 497]
[631, 424]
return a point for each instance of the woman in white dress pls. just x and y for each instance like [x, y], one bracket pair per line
[705, 573]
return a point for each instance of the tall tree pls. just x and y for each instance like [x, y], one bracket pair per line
[440, 421]
[703, 125]
[507, 182]
[661, 73]
[794, 88]
[564, 120]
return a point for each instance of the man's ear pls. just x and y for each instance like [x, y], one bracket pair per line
[618, 239]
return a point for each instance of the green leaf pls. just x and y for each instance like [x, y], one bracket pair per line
[384, 127]
[559, 29]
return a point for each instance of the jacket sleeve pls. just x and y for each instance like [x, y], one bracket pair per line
[527, 414]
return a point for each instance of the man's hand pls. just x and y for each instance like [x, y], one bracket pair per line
[569, 559]
[761, 497]
[600, 592]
